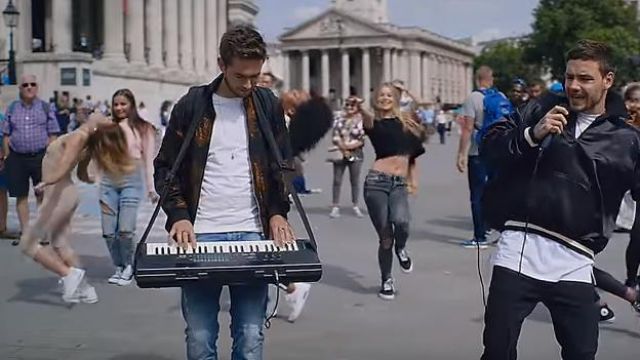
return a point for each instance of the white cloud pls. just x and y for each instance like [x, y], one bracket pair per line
[488, 34]
[303, 13]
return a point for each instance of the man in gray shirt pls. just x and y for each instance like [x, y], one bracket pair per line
[469, 159]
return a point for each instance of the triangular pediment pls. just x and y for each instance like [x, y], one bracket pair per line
[333, 24]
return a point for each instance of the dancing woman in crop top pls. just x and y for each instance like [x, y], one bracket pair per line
[397, 141]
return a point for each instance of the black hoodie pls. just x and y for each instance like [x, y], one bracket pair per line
[575, 193]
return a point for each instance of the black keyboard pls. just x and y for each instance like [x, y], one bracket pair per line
[159, 265]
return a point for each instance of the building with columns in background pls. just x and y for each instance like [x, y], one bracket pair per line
[351, 47]
[157, 48]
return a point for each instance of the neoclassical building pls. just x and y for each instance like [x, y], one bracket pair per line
[352, 47]
[157, 48]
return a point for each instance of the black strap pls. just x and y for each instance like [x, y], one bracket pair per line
[287, 171]
[170, 176]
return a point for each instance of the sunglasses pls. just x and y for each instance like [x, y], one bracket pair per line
[27, 85]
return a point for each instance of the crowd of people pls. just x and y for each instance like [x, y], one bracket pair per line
[547, 169]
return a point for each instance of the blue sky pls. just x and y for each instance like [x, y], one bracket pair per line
[486, 19]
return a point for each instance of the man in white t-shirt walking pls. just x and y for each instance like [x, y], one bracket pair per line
[228, 188]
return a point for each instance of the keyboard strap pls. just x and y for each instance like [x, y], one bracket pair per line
[186, 141]
[288, 172]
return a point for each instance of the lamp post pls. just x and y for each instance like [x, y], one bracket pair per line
[11, 15]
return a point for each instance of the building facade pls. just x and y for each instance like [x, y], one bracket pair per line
[156, 48]
[351, 48]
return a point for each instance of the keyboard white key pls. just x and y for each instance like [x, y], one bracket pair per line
[220, 247]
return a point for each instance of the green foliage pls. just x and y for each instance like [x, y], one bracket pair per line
[505, 58]
[559, 24]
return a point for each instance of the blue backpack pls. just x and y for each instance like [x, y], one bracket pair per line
[496, 107]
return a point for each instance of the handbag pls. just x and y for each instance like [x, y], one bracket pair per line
[334, 154]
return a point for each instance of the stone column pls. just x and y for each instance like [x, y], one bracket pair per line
[305, 71]
[470, 79]
[113, 31]
[346, 78]
[23, 33]
[386, 65]
[286, 72]
[394, 64]
[61, 17]
[212, 37]
[366, 76]
[186, 35]
[135, 31]
[325, 70]
[223, 17]
[414, 77]
[198, 36]
[170, 17]
[426, 79]
[154, 32]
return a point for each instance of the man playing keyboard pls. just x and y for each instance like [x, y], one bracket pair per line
[227, 189]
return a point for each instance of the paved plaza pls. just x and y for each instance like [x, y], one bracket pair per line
[437, 313]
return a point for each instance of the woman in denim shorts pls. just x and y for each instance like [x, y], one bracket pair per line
[397, 140]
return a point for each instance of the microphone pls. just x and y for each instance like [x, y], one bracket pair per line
[547, 139]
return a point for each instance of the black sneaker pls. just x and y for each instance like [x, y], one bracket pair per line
[636, 306]
[606, 314]
[387, 291]
[406, 265]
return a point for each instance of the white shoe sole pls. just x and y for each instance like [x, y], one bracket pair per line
[407, 271]
[386, 297]
[113, 281]
[123, 282]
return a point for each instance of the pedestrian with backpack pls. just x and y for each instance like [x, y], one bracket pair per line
[483, 108]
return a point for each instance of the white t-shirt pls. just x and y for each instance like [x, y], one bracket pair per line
[227, 202]
[542, 258]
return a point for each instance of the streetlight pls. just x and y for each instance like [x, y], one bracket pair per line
[11, 15]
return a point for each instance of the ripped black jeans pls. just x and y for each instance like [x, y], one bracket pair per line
[388, 205]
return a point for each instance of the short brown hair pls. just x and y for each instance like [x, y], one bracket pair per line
[242, 42]
[483, 72]
[594, 51]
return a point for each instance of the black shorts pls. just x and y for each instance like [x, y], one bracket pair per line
[19, 168]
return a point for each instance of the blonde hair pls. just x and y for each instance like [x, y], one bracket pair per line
[108, 146]
[408, 120]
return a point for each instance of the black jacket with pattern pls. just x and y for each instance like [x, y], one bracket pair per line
[574, 195]
[184, 192]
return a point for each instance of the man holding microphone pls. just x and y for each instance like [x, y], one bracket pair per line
[561, 174]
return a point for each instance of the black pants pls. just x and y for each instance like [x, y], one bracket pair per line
[388, 205]
[512, 297]
[632, 255]
[20, 168]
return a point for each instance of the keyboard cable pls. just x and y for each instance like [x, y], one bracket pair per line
[267, 322]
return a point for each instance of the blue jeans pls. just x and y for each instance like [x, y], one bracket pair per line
[201, 304]
[478, 177]
[119, 201]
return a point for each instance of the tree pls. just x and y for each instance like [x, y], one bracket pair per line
[505, 59]
[559, 24]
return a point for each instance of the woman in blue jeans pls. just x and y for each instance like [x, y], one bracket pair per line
[119, 198]
[397, 140]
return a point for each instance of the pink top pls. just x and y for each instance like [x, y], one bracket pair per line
[141, 148]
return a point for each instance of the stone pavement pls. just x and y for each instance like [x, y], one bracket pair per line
[437, 313]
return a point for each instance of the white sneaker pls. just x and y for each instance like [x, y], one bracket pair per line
[127, 276]
[70, 284]
[115, 278]
[335, 212]
[297, 299]
[358, 212]
[87, 294]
